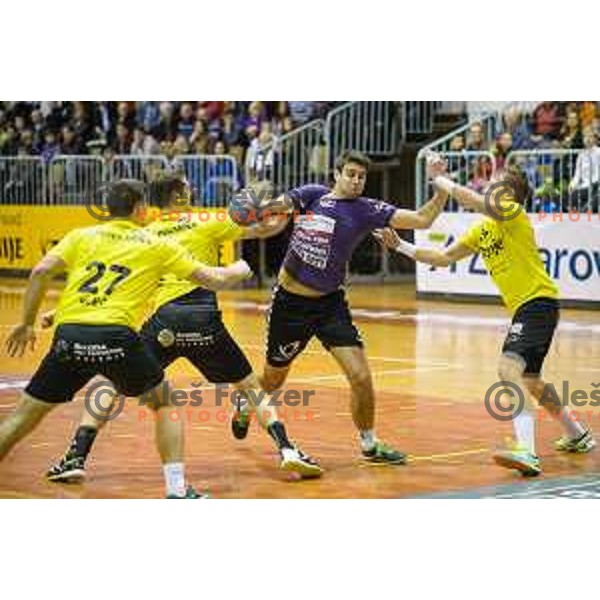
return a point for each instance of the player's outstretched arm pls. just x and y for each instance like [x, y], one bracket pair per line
[23, 334]
[438, 258]
[422, 218]
[218, 278]
[466, 197]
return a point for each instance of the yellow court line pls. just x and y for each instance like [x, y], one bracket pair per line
[451, 454]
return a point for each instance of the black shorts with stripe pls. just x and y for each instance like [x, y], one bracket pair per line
[80, 352]
[294, 320]
[198, 334]
[531, 332]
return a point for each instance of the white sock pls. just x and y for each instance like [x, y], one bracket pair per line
[367, 439]
[573, 428]
[524, 428]
[174, 479]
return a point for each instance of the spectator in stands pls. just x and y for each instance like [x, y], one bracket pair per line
[457, 143]
[19, 122]
[253, 121]
[546, 121]
[318, 164]
[50, 147]
[185, 125]
[213, 110]
[26, 146]
[138, 141]
[501, 149]
[301, 112]
[165, 130]
[519, 126]
[126, 115]
[587, 114]
[104, 120]
[221, 177]
[585, 183]
[38, 127]
[148, 115]
[122, 142]
[570, 133]
[231, 129]
[260, 155]
[481, 175]
[476, 140]
[181, 145]
[8, 141]
[70, 143]
[81, 121]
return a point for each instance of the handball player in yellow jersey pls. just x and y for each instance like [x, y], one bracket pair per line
[186, 323]
[506, 241]
[111, 270]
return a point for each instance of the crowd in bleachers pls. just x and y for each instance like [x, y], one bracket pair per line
[210, 127]
[247, 131]
[560, 176]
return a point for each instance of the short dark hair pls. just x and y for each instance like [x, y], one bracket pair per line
[123, 195]
[516, 178]
[351, 156]
[163, 185]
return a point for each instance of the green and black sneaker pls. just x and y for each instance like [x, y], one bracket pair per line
[240, 424]
[190, 494]
[382, 454]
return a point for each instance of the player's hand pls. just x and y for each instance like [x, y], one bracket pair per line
[19, 338]
[387, 237]
[436, 165]
[47, 319]
[240, 270]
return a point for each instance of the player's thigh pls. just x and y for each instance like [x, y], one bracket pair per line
[335, 327]
[219, 357]
[62, 373]
[133, 369]
[291, 322]
[530, 335]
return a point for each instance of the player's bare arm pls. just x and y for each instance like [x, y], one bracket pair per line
[424, 217]
[218, 278]
[23, 334]
[437, 258]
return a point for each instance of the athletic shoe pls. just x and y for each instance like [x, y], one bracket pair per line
[190, 494]
[68, 470]
[581, 445]
[295, 461]
[383, 454]
[517, 458]
[240, 424]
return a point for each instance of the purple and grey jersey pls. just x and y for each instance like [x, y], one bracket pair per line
[326, 233]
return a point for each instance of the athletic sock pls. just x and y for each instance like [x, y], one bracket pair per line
[573, 427]
[82, 442]
[174, 479]
[524, 428]
[277, 432]
[367, 440]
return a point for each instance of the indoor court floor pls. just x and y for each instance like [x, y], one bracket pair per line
[432, 363]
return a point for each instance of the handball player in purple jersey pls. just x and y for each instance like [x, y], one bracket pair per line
[309, 299]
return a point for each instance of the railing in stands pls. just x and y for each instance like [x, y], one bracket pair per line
[561, 179]
[71, 179]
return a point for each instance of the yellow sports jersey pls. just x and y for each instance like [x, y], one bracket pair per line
[112, 269]
[511, 256]
[201, 239]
